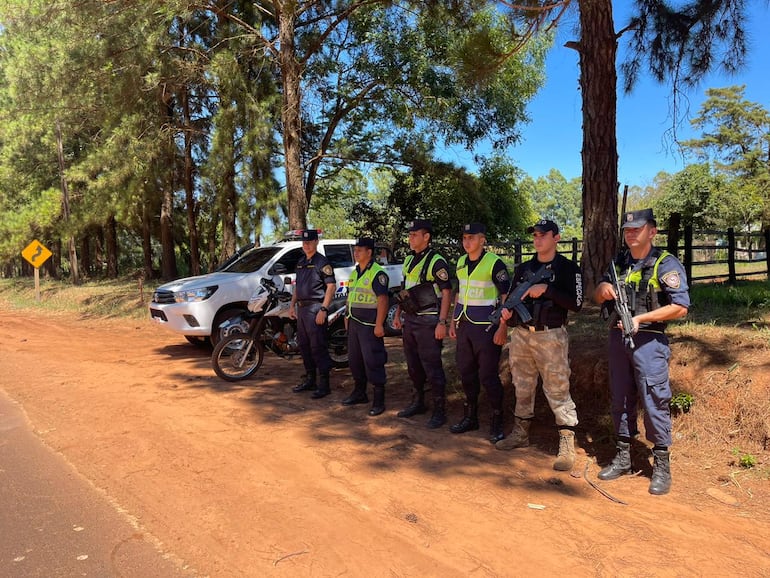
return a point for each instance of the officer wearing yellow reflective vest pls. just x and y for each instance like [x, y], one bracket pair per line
[656, 286]
[428, 292]
[482, 280]
[367, 308]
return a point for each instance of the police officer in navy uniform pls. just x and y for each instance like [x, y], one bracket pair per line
[482, 280]
[367, 307]
[313, 293]
[425, 329]
[656, 285]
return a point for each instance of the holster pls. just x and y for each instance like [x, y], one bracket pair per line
[421, 297]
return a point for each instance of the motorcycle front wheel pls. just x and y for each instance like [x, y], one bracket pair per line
[338, 344]
[238, 356]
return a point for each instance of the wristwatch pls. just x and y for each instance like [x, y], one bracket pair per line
[444, 322]
[324, 309]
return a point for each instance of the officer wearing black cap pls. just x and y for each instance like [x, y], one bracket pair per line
[482, 280]
[540, 346]
[367, 307]
[656, 286]
[426, 308]
[313, 293]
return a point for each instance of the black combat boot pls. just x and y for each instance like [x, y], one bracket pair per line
[358, 395]
[378, 405]
[308, 383]
[496, 426]
[621, 463]
[661, 471]
[470, 420]
[439, 413]
[417, 406]
[323, 387]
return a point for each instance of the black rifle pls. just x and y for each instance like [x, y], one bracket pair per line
[513, 301]
[621, 308]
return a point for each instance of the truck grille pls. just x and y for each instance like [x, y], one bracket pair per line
[163, 297]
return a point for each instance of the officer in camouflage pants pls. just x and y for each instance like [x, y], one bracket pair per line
[541, 345]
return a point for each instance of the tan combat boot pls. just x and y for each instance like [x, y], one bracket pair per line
[519, 437]
[566, 458]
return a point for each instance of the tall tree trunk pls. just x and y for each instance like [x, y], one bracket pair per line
[195, 261]
[291, 117]
[168, 270]
[86, 262]
[598, 83]
[147, 240]
[229, 203]
[167, 178]
[73, 255]
[111, 246]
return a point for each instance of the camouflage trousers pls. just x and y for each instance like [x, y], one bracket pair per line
[544, 353]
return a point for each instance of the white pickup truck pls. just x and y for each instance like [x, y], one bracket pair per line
[196, 306]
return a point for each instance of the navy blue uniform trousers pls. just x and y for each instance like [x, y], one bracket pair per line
[641, 374]
[366, 353]
[423, 353]
[313, 340]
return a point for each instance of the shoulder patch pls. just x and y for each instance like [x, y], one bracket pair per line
[672, 279]
[382, 279]
[442, 275]
[502, 275]
[328, 270]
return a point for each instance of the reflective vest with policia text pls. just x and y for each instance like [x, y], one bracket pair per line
[477, 295]
[415, 277]
[642, 285]
[362, 297]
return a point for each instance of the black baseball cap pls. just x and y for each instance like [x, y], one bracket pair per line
[543, 226]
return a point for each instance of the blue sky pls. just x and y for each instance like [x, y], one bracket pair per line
[553, 139]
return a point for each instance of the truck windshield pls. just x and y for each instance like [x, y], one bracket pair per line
[252, 260]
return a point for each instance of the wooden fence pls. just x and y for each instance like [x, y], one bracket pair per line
[707, 255]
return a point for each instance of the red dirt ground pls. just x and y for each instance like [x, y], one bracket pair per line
[249, 479]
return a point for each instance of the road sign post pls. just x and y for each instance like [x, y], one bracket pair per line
[36, 254]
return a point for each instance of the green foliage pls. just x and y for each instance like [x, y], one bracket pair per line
[745, 460]
[556, 198]
[681, 402]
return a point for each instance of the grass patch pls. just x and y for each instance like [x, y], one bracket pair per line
[94, 299]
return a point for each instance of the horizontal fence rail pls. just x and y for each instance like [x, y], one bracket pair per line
[707, 255]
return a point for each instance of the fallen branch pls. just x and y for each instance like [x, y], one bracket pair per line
[602, 491]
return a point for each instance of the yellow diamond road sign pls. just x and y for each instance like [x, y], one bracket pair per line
[36, 253]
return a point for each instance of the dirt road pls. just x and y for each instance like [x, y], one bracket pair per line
[252, 480]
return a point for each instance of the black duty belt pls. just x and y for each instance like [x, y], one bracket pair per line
[307, 302]
[538, 328]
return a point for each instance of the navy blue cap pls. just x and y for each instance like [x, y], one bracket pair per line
[419, 224]
[310, 235]
[543, 226]
[474, 229]
[637, 219]
[367, 242]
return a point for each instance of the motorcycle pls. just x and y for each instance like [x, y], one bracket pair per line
[239, 355]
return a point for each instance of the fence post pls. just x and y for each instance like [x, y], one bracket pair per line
[672, 241]
[731, 256]
[574, 248]
[688, 251]
[767, 251]
[517, 251]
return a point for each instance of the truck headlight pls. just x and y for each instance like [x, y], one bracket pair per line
[195, 295]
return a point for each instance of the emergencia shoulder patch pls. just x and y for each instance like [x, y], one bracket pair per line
[328, 270]
[442, 275]
[672, 279]
[382, 279]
